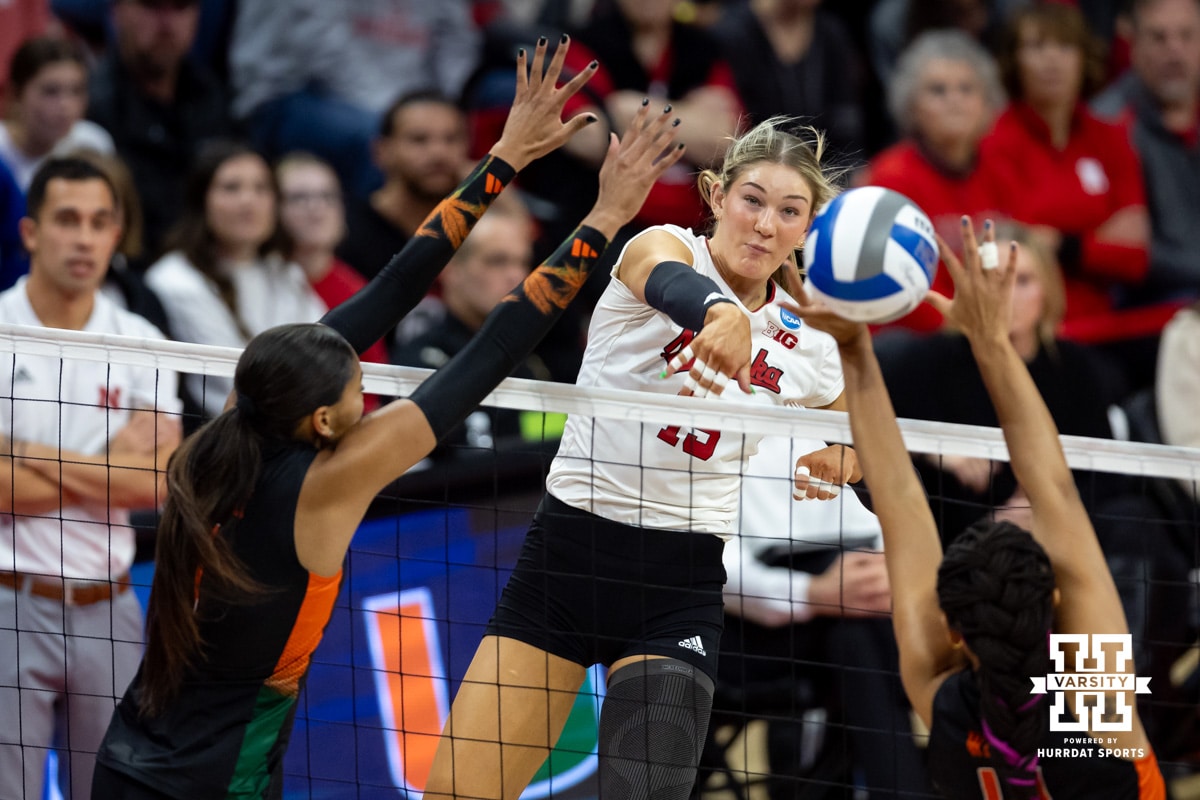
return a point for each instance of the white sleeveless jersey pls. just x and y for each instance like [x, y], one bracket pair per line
[668, 477]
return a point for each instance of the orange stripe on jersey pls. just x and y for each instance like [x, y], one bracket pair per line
[306, 633]
[1150, 779]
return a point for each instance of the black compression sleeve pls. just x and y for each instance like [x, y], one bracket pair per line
[682, 294]
[367, 316]
[511, 331]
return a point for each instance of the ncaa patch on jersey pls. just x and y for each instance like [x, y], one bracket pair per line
[789, 320]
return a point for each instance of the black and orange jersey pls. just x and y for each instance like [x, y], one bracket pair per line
[226, 733]
[1072, 766]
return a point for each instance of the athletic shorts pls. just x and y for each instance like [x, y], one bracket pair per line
[594, 591]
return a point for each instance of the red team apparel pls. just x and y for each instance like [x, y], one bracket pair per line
[674, 477]
[1075, 190]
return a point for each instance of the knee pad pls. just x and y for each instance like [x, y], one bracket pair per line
[652, 730]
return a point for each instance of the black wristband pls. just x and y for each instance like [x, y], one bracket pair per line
[1070, 252]
[682, 294]
[509, 334]
[377, 308]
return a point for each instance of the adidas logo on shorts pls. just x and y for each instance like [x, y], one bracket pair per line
[694, 643]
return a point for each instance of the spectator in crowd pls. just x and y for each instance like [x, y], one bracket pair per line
[791, 57]
[14, 262]
[497, 255]
[123, 285]
[317, 76]
[806, 602]
[20, 20]
[1159, 99]
[896, 24]
[422, 152]
[645, 53]
[86, 442]
[932, 378]
[1081, 185]
[314, 219]
[47, 97]
[159, 104]
[944, 96]
[225, 278]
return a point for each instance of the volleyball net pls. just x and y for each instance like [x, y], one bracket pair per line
[808, 702]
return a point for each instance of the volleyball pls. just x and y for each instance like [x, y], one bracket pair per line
[870, 255]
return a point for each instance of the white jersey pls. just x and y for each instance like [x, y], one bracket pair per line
[78, 406]
[667, 477]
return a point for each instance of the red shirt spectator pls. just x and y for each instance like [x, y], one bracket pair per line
[1075, 190]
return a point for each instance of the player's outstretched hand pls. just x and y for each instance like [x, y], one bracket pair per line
[632, 165]
[982, 304]
[534, 126]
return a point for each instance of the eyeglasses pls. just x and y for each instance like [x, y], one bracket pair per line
[328, 198]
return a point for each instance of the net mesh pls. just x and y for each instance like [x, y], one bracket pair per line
[808, 702]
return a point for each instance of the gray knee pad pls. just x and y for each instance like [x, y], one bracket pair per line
[652, 729]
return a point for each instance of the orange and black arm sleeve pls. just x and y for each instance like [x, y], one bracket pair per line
[367, 316]
[510, 332]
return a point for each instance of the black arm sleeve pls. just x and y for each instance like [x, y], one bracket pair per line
[682, 294]
[367, 316]
[511, 331]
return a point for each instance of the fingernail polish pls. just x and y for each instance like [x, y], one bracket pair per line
[590, 119]
[667, 109]
[645, 101]
[663, 374]
[987, 224]
[594, 64]
[565, 39]
[541, 41]
[675, 123]
[680, 147]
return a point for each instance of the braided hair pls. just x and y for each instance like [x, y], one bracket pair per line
[996, 585]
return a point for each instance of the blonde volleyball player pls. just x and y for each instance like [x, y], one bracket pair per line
[622, 563]
[973, 630]
[263, 500]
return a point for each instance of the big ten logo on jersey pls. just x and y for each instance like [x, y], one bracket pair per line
[784, 337]
[1098, 676]
[412, 692]
[110, 397]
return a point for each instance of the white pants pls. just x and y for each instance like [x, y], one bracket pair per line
[62, 670]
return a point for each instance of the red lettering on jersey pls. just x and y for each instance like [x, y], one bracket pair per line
[785, 338]
[763, 374]
[110, 398]
[676, 345]
[989, 784]
[692, 444]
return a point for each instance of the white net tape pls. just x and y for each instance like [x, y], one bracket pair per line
[1100, 455]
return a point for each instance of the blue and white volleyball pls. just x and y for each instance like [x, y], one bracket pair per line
[870, 255]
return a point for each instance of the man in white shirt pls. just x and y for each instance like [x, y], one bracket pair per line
[82, 443]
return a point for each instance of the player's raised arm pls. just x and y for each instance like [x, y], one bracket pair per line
[913, 550]
[533, 129]
[981, 309]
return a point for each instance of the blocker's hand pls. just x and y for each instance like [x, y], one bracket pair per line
[534, 126]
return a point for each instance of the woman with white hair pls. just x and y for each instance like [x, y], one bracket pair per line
[944, 95]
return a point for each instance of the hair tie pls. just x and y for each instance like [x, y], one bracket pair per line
[245, 405]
